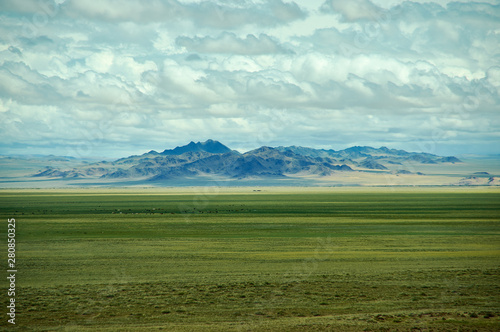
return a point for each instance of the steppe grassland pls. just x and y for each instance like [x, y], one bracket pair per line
[239, 259]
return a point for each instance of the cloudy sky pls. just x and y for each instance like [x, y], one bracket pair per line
[111, 78]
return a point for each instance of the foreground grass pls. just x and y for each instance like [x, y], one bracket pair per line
[257, 261]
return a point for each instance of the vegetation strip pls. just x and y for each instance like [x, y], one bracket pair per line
[267, 261]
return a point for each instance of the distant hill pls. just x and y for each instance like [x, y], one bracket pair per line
[372, 158]
[214, 158]
[209, 146]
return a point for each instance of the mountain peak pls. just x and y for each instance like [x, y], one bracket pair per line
[262, 149]
[209, 145]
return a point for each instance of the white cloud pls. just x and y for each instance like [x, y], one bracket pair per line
[165, 42]
[352, 10]
[345, 72]
[225, 110]
[229, 43]
[493, 77]
[237, 63]
[6, 105]
[100, 62]
[187, 83]
[114, 10]
[204, 13]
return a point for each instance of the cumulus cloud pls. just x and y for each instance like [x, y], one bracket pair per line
[229, 43]
[352, 10]
[204, 13]
[134, 10]
[225, 16]
[131, 76]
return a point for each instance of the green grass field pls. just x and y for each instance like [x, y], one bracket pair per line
[244, 260]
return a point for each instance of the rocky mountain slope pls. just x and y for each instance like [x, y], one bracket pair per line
[215, 159]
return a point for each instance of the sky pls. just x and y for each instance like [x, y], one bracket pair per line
[113, 78]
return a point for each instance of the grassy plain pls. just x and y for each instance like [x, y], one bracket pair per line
[208, 259]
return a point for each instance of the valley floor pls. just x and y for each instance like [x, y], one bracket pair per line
[256, 259]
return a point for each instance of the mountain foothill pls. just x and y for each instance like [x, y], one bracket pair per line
[212, 158]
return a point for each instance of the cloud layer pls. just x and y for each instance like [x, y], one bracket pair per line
[106, 78]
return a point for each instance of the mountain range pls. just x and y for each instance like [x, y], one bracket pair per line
[212, 158]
